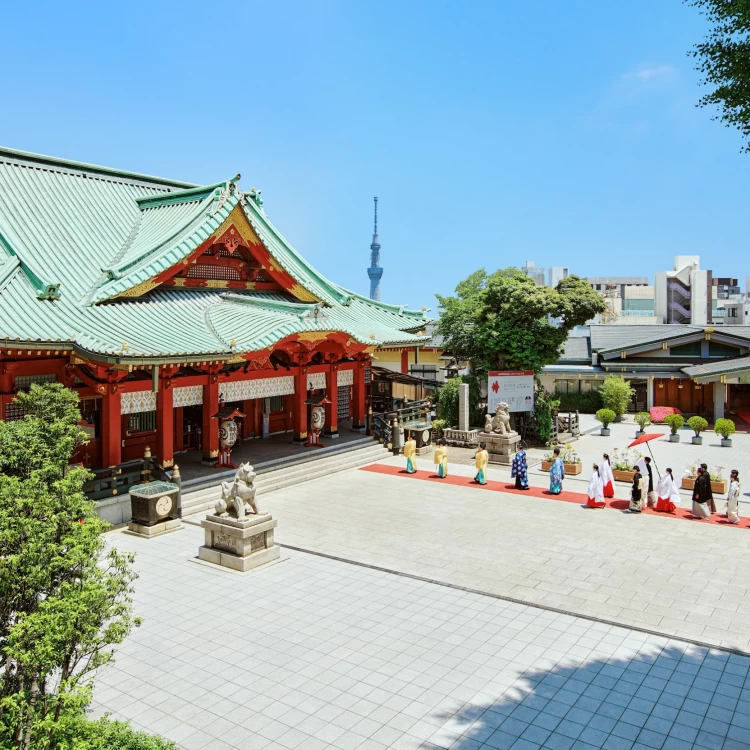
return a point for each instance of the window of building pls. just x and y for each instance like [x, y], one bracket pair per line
[715, 349]
[24, 382]
[142, 421]
[343, 396]
[277, 403]
[428, 372]
[686, 350]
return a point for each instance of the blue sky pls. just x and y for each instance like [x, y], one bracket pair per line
[492, 132]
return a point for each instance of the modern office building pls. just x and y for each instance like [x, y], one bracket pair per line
[684, 294]
[557, 274]
[536, 273]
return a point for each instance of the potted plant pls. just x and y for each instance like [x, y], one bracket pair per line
[616, 394]
[642, 419]
[675, 421]
[725, 428]
[606, 417]
[697, 425]
[622, 464]
[719, 485]
[571, 460]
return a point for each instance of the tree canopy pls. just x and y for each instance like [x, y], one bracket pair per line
[723, 58]
[65, 598]
[502, 320]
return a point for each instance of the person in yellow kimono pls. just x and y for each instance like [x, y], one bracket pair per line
[481, 459]
[441, 458]
[410, 451]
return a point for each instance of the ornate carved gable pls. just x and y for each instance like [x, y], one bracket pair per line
[233, 258]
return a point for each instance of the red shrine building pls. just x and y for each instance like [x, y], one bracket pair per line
[160, 302]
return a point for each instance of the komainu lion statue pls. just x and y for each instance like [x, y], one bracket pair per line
[500, 423]
[238, 496]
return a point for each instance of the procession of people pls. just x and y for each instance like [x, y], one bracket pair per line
[661, 494]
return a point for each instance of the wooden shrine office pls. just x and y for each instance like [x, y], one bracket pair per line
[160, 301]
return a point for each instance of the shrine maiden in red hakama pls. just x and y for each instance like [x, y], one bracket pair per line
[596, 490]
[669, 495]
[608, 477]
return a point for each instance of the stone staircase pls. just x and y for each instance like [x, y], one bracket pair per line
[200, 495]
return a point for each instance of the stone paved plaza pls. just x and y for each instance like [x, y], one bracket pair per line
[312, 653]
[673, 576]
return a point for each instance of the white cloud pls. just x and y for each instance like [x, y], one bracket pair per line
[650, 74]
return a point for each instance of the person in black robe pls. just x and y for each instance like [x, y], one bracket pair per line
[710, 492]
[651, 496]
[635, 492]
[700, 494]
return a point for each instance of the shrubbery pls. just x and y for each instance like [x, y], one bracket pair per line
[586, 402]
[616, 394]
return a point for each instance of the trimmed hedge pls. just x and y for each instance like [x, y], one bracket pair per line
[587, 402]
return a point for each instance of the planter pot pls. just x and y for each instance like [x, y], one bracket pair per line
[726, 442]
[718, 488]
[674, 438]
[605, 432]
[618, 420]
[638, 433]
[569, 468]
[697, 440]
[623, 476]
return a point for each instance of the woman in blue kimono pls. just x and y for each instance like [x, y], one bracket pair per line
[556, 473]
[519, 470]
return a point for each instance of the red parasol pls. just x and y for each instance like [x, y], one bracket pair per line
[645, 439]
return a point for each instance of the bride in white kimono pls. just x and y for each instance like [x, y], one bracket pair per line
[733, 497]
[596, 490]
[669, 494]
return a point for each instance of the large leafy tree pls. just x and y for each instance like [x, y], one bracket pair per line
[65, 599]
[502, 320]
[723, 58]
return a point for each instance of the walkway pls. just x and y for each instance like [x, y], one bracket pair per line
[677, 578]
[313, 654]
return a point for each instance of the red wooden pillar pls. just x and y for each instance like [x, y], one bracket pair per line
[405, 361]
[165, 425]
[210, 425]
[111, 426]
[359, 397]
[299, 412]
[332, 394]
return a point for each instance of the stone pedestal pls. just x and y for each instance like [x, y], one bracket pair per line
[239, 544]
[164, 527]
[465, 438]
[502, 448]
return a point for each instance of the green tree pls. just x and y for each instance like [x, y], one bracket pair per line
[616, 394]
[448, 401]
[64, 599]
[501, 320]
[723, 58]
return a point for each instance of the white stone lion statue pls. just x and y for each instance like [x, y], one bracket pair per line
[500, 423]
[238, 496]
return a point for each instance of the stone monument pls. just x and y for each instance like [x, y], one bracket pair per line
[502, 441]
[463, 435]
[238, 535]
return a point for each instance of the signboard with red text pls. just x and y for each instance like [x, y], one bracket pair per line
[513, 387]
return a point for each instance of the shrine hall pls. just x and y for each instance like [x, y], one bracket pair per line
[163, 303]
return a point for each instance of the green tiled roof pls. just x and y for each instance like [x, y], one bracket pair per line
[97, 233]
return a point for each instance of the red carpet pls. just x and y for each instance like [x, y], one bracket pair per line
[744, 416]
[565, 496]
